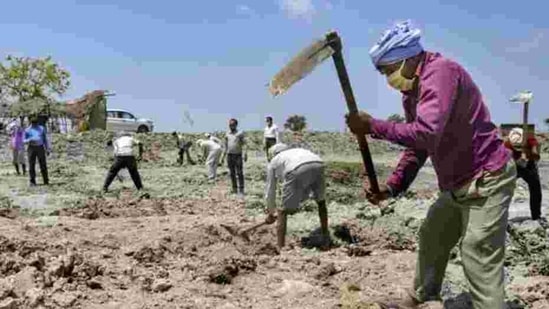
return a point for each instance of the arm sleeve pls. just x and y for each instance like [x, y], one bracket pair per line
[47, 144]
[411, 161]
[438, 93]
[26, 137]
[270, 189]
[406, 171]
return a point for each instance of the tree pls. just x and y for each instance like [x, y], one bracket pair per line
[24, 79]
[296, 123]
[396, 118]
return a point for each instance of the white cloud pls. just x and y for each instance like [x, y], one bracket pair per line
[244, 10]
[298, 8]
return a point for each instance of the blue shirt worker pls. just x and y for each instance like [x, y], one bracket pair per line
[38, 147]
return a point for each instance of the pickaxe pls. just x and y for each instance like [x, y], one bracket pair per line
[303, 64]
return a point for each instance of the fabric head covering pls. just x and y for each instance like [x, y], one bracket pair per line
[123, 133]
[515, 136]
[396, 44]
[278, 148]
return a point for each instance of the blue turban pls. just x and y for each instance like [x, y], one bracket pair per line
[396, 44]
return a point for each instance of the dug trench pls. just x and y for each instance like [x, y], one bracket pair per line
[167, 253]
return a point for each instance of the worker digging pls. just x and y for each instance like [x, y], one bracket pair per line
[211, 154]
[447, 121]
[218, 141]
[124, 153]
[527, 159]
[183, 148]
[301, 173]
[428, 219]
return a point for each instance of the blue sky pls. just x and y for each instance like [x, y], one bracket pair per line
[214, 58]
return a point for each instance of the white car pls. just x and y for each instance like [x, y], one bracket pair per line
[121, 120]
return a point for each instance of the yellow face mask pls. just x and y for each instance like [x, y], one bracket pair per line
[399, 82]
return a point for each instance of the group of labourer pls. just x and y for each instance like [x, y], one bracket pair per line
[213, 152]
[446, 121]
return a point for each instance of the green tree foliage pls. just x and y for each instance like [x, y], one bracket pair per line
[24, 79]
[296, 123]
[396, 118]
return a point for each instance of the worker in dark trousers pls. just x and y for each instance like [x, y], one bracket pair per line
[184, 149]
[124, 157]
[270, 135]
[236, 154]
[38, 147]
[527, 166]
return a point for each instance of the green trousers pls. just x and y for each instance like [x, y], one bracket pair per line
[477, 215]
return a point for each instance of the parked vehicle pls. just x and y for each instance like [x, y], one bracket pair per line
[121, 120]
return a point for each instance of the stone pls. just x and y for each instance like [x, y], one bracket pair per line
[94, 284]
[293, 289]
[23, 281]
[64, 300]
[6, 287]
[9, 303]
[161, 286]
[35, 297]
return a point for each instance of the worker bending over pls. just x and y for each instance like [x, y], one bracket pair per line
[211, 152]
[184, 148]
[220, 143]
[301, 172]
[124, 157]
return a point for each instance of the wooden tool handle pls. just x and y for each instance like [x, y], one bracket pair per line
[525, 131]
[335, 43]
[254, 227]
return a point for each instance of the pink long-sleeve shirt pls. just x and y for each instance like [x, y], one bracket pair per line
[446, 120]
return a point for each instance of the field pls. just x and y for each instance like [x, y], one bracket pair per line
[70, 246]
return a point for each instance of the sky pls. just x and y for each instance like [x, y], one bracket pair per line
[214, 59]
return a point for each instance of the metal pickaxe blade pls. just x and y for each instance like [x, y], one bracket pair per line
[303, 64]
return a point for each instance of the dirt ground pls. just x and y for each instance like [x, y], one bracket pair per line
[83, 249]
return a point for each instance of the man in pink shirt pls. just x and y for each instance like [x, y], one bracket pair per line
[447, 121]
[16, 131]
